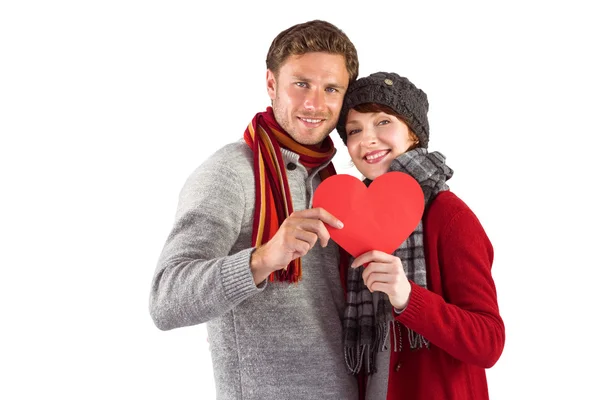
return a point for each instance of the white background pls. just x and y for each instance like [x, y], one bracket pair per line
[107, 107]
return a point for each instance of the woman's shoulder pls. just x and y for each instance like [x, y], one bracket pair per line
[445, 208]
[447, 201]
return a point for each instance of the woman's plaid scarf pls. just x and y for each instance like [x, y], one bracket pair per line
[366, 331]
[273, 200]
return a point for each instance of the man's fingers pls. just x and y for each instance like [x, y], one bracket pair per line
[320, 214]
[301, 247]
[314, 226]
[305, 236]
[313, 220]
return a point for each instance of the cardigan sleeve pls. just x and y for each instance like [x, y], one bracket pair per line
[466, 322]
[198, 278]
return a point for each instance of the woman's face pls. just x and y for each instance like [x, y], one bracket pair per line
[375, 140]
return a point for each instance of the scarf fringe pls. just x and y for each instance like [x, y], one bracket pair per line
[382, 332]
[355, 355]
[415, 340]
[356, 360]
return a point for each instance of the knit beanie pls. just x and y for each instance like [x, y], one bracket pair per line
[394, 91]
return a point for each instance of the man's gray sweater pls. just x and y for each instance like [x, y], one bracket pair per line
[277, 341]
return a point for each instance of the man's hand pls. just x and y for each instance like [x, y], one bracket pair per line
[384, 273]
[295, 237]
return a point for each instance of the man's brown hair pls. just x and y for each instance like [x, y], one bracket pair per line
[312, 36]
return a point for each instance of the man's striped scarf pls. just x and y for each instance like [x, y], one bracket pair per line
[273, 200]
[366, 331]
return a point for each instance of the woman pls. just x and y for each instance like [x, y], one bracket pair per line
[422, 323]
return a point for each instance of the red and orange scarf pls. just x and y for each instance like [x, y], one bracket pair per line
[273, 200]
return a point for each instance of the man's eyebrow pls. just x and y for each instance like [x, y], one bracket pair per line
[337, 86]
[300, 78]
[331, 84]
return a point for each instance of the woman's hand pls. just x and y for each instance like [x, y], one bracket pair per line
[384, 273]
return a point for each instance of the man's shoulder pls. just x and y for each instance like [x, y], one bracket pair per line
[230, 167]
[233, 162]
[235, 157]
[233, 154]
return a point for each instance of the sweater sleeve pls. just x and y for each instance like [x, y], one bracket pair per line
[197, 279]
[465, 322]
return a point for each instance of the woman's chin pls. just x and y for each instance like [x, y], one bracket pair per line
[373, 172]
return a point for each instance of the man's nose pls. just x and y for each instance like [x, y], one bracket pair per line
[315, 100]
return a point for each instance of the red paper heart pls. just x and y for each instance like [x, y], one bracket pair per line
[379, 217]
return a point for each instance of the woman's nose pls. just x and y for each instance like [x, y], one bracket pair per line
[368, 137]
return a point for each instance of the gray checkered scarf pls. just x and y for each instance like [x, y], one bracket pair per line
[368, 326]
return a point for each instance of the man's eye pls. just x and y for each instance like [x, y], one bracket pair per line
[302, 84]
[331, 90]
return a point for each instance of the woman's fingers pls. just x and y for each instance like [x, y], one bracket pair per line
[372, 256]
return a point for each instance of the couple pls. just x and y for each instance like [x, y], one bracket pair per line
[249, 256]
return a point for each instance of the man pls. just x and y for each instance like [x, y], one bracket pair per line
[242, 254]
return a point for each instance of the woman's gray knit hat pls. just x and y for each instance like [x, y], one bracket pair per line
[394, 91]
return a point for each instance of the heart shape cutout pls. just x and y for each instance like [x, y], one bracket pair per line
[378, 217]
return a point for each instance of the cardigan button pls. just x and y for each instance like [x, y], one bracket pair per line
[291, 166]
[398, 366]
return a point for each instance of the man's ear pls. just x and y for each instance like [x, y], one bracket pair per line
[271, 84]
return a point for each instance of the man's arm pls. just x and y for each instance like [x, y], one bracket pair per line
[196, 279]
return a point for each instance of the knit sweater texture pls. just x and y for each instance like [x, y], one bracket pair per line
[458, 314]
[275, 341]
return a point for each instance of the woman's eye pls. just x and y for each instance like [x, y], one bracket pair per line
[353, 131]
[384, 122]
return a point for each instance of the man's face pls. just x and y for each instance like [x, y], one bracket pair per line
[307, 95]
